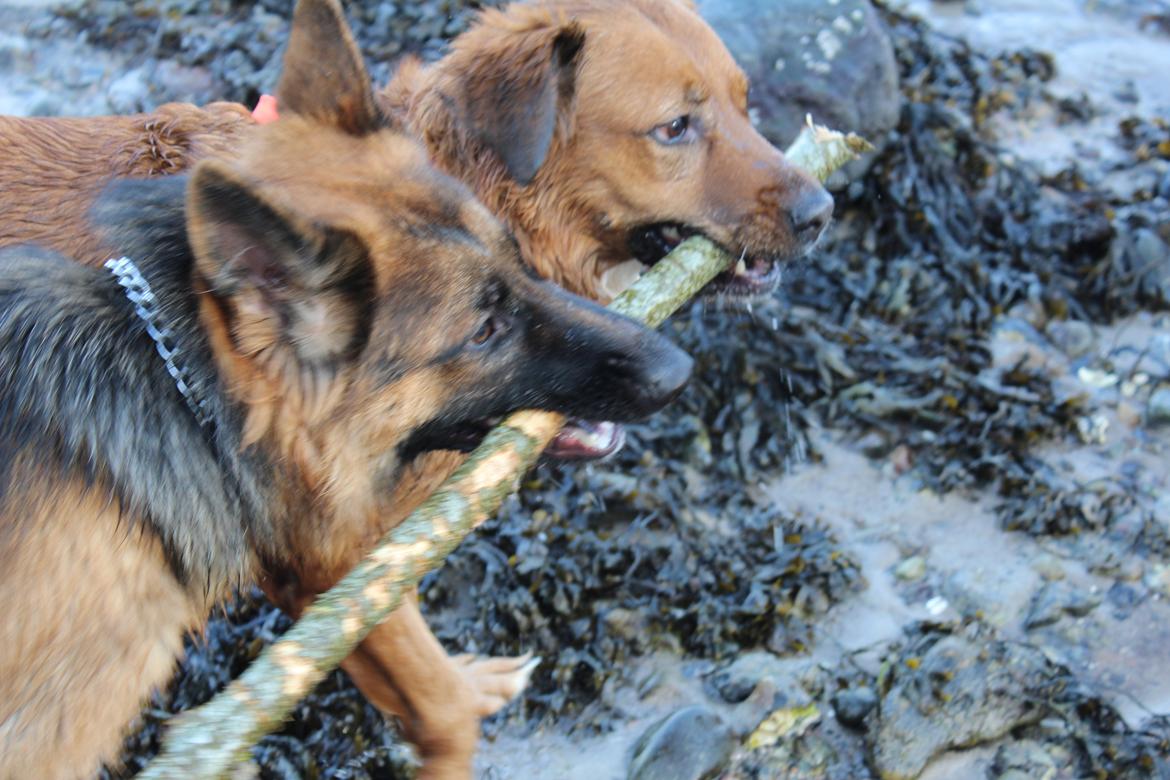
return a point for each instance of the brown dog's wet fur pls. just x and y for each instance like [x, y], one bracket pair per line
[349, 316]
[52, 169]
[558, 114]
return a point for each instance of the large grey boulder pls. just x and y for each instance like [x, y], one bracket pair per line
[829, 58]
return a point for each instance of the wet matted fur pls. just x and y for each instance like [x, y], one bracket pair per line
[53, 169]
[344, 312]
[607, 130]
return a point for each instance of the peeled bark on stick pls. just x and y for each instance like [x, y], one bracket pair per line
[212, 740]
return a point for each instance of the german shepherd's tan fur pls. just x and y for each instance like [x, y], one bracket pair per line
[348, 315]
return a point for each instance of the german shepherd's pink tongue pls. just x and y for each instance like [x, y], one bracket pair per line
[586, 440]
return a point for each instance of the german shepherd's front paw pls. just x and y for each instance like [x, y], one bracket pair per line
[495, 681]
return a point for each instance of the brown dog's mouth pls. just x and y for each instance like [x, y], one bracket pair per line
[750, 277]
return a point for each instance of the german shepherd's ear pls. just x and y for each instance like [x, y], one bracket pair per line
[517, 88]
[324, 76]
[301, 286]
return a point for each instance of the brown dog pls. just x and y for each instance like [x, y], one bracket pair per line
[250, 388]
[604, 132]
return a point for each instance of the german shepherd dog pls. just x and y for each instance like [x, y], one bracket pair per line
[247, 389]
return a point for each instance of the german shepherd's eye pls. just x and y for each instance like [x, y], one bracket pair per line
[487, 331]
[675, 131]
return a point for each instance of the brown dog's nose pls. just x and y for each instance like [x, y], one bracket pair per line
[810, 216]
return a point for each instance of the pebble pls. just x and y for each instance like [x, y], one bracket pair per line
[1157, 579]
[1048, 567]
[626, 623]
[1124, 599]
[1023, 760]
[962, 691]
[128, 94]
[853, 704]
[1158, 407]
[911, 569]
[692, 744]
[1128, 414]
[1072, 337]
[1164, 186]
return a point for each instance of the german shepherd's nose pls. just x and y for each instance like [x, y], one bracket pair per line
[651, 375]
[603, 365]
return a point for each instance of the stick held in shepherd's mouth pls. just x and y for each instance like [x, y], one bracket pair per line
[211, 740]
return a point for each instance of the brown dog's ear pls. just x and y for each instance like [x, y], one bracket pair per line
[515, 91]
[303, 286]
[324, 76]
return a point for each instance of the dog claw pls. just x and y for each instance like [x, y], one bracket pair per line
[496, 681]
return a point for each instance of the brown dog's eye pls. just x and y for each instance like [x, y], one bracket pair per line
[673, 131]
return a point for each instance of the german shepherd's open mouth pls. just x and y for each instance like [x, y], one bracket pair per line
[579, 440]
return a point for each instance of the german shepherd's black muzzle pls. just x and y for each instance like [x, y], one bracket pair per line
[557, 352]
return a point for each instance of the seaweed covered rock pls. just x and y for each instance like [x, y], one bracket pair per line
[828, 58]
[947, 690]
[955, 692]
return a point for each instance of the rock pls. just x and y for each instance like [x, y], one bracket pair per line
[1158, 407]
[1164, 186]
[1150, 249]
[1053, 601]
[853, 704]
[956, 692]
[1157, 579]
[1046, 608]
[833, 60]
[692, 744]
[1073, 337]
[129, 94]
[911, 569]
[735, 682]
[1048, 567]
[1124, 599]
[182, 83]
